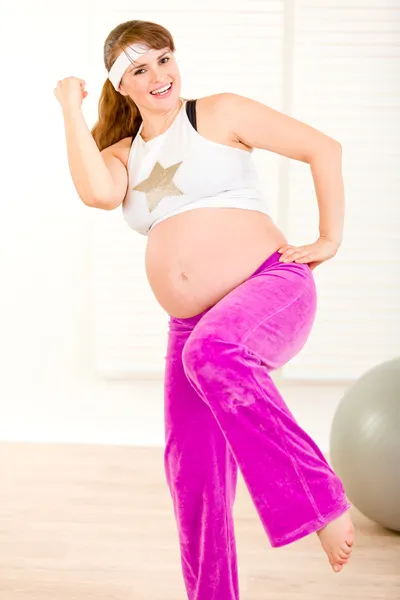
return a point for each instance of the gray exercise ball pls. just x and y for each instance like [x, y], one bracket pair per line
[365, 444]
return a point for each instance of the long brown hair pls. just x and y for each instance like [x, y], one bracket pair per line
[119, 116]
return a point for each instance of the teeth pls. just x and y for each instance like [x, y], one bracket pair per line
[161, 89]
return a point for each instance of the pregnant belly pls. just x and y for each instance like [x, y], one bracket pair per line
[195, 258]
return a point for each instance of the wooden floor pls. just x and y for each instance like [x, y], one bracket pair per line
[88, 522]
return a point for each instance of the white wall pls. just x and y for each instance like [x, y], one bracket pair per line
[336, 69]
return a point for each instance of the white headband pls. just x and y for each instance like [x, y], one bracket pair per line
[123, 62]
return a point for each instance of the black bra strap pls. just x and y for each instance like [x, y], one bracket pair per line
[191, 112]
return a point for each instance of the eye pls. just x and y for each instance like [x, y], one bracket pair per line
[161, 61]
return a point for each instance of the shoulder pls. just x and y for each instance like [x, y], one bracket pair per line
[226, 101]
[226, 108]
[217, 116]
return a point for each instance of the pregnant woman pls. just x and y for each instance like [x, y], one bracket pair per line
[241, 300]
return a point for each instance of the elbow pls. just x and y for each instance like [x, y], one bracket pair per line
[110, 206]
[338, 146]
[334, 145]
[329, 147]
[110, 201]
[101, 203]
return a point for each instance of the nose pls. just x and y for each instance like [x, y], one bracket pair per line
[158, 74]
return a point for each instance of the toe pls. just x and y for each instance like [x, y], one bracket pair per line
[337, 568]
[350, 538]
[339, 560]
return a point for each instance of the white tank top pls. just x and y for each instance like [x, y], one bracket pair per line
[181, 170]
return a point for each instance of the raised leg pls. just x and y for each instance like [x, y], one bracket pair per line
[228, 357]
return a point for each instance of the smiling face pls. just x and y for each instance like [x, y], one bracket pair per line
[154, 70]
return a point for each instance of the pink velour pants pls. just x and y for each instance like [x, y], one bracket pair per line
[223, 412]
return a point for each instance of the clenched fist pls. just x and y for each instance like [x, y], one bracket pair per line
[70, 92]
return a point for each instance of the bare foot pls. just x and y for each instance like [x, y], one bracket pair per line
[337, 539]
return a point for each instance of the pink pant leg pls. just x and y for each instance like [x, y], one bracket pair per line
[256, 328]
[201, 474]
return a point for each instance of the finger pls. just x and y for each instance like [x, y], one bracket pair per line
[308, 258]
[308, 254]
[288, 254]
[296, 249]
[305, 258]
[296, 259]
[286, 259]
[300, 254]
[285, 247]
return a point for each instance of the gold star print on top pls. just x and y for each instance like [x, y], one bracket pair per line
[159, 184]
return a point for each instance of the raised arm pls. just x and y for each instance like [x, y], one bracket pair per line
[100, 178]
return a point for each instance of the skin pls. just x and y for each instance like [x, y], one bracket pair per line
[195, 258]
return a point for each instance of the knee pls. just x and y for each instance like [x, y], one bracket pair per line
[214, 367]
[210, 362]
[199, 354]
